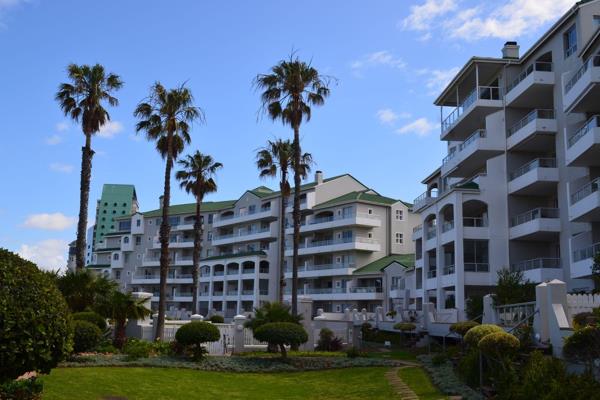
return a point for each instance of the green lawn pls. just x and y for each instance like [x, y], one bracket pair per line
[418, 380]
[162, 383]
[397, 354]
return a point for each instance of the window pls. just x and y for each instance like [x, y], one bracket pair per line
[114, 205]
[399, 215]
[209, 235]
[105, 204]
[370, 235]
[347, 235]
[138, 222]
[596, 21]
[117, 274]
[370, 211]
[103, 211]
[209, 252]
[570, 41]
[124, 225]
[114, 211]
[399, 238]
[139, 256]
[173, 221]
[126, 240]
[116, 256]
[138, 240]
[210, 218]
[124, 204]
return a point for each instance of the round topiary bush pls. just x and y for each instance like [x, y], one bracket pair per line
[281, 334]
[193, 335]
[405, 326]
[475, 334]
[86, 336]
[461, 328]
[92, 317]
[499, 345]
[217, 319]
[35, 324]
[583, 345]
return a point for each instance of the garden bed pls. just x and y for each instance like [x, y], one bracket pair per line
[443, 376]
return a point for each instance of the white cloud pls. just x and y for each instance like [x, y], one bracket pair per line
[60, 167]
[388, 116]
[110, 129]
[47, 254]
[506, 19]
[6, 5]
[50, 222]
[63, 126]
[437, 79]
[419, 127]
[54, 139]
[378, 58]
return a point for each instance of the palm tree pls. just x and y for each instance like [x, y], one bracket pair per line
[82, 99]
[196, 178]
[120, 307]
[276, 158]
[84, 290]
[166, 116]
[289, 91]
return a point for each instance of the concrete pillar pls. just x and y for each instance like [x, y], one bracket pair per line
[238, 333]
[489, 312]
[459, 260]
[428, 315]
[540, 320]
[305, 306]
[134, 327]
[197, 317]
[378, 315]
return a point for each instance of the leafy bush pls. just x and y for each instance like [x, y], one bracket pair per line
[583, 345]
[405, 326]
[475, 334]
[24, 389]
[194, 334]
[439, 359]
[353, 352]
[281, 334]
[86, 336]
[216, 319]
[512, 288]
[135, 349]
[328, 341]
[584, 319]
[31, 303]
[461, 328]
[376, 336]
[445, 379]
[106, 347]
[499, 345]
[474, 306]
[468, 367]
[163, 348]
[92, 317]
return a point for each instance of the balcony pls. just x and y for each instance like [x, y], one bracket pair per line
[540, 224]
[417, 232]
[582, 90]
[154, 279]
[533, 85]
[174, 260]
[471, 154]
[243, 236]
[583, 147]
[471, 112]
[335, 245]
[349, 293]
[312, 271]
[539, 269]
[583, 260]
[585, 203]
[538, 177]
[534, 132]
[118, 262]
[424, 200]
[176, 242]
[239, 218]
[336, 221]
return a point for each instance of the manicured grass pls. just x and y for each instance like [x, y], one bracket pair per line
[396, 354]
[163, 383]
[418, 381]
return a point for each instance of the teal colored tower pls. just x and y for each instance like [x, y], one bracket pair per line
[116, 201]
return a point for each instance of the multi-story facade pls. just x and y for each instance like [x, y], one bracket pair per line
[519, 186]
[116, 201]
[346, 227]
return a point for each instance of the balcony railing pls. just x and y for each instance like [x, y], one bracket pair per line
[475, 136]
[586, 253]
[449, 270]
[533, 115]
[321, 220]
[593, 61]
[447, 226]
[536, 263]
[430, 233]
[330, 242]
[423, 198]
[417, 228]
[432, 273]
[585, 191]
[475, 222]
[590, 124]
[241, 234]
[536, 66]
[477, 267]
[365, 289]
[534, 214]
[534, 164]
[321, 267]
[481, 92]
[247, 292]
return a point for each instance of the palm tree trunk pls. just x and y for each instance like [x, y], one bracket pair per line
[296, 217]
[84, 195]
[283, 205]
[196, 256]
[165, 230]
[120, 336]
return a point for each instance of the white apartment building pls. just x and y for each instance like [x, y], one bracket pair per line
[519, 186]
[346, 228]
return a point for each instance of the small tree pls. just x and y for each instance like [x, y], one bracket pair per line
[84, 290]
[272, 312]
[513, 288]
[282, 334]
[193, 335]
[86, 336]
[475, 334]
[120, 307]
[328, 341]
[583, 346]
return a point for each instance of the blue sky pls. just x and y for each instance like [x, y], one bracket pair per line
[390, 59]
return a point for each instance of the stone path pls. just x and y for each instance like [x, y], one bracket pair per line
[399, 386]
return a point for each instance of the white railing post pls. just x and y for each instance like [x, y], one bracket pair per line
[540, 321]
[305, 309]
[238, 333]
[489, 312]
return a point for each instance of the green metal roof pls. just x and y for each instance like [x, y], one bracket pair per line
[190, 208]
[237, 255]
[406, 260]
[361, 196]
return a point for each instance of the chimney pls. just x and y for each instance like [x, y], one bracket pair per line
[510, 50]
[319, 177]
[161, 201]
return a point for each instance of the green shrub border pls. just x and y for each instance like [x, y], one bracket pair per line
[444, 378]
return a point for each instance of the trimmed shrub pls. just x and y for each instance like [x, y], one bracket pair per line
[24, 389]
[86, 336]
[30, 303]
[353, 352]
[583, 345]
[475, 334]
[461, 328]
[468, 367]
[193, 335]
[405, 326]
[328, 341]
[499, 345]
[281, 334]
[135, 349]
[106, 347]
[92, 317]
[217, 319]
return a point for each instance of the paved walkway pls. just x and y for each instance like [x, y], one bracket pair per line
[399, 386]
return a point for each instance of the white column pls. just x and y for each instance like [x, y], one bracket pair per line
[459, 258]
